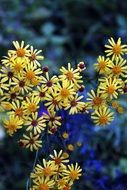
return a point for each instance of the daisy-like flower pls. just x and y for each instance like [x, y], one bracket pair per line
[35, 123]
[12, 124]
[75, 105]
[102, 65]
[43, 183]
[115, 49]
[8, 74]
[13, 94]
[52, 119]
[21, 49]
[62, 184]
[71, 75]
[3, 85]
[31, 72]
[31, 104]
[52, 103]
[18, 64]
[95, 100]
[34, 55]
[118, 67]
[72, 172]
[109, 87]
[102, 116]
[17, 109]
[65, 92]
[47, 170]
[59, 159]
[40, 93]
[21, 85]
[32, 141]
[49, 83]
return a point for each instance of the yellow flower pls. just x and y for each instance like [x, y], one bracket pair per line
[59, 158]
[74, 104]
[70, 147]
[12, 124]
[71, 75]
[21, 85]
[65, 155]
[109, 87]
[47, 170]
[65, 135]
[79, 144]
[52, 119]
[52, 103]
[40, 93]
[43, 183]
[65, 92]
[34, 56]
[7, 74]
[32, 141]
[114, 104]
[49, 83]
[72, 172]
[102, 66]
[115, 49]
[31, 104]
[95, 99]
[31, 72]
[118, 68]
[120, 109]
[17, 109]
[18, 64]
[35, 123]
[13, 95]
[21, 50]
[102, 116]
[62, 184]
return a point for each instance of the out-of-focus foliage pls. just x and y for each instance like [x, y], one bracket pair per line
[69, 31]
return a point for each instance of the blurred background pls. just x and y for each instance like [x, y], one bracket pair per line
[69, 31]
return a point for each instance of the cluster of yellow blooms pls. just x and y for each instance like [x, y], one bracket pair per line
[112, 83]
[25, 85]
[55, 174]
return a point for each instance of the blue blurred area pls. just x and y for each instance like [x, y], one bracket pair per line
[69, 31]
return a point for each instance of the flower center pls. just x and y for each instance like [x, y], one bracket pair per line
[32, 57]
[34, 123]
[31, 141]
[42, 94]
[66, 188]
[57, 161]
[32, 107]
[54, 102]
[13, 95]
[30, 75]
[65, 92]
[97, 101]
[19, 112]
[103, 120]
[10, 74]
[116, 70]
[102, 64]
[12, 127]
[43, 186]
[70, 75]
[21, 83]
[73, 175]
[49, 83]
[110, 89]
[116, 49]
[47, 171]
[20, 52]
[73, 103]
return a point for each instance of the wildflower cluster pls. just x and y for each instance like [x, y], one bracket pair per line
[55, 173]
[25, 85]
[112, 82]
